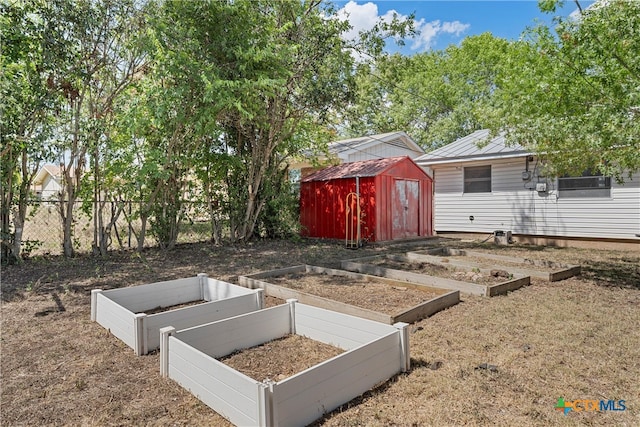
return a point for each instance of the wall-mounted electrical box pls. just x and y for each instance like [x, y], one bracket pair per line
[541, 187]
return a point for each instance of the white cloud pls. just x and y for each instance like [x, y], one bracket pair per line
[363, 17]
[430, 30]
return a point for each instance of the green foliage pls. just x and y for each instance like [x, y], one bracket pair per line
[29, 246]
[436, 96]
[572, 95]
[160, 101]
[28, 102]
[237, 84]
[280, 217]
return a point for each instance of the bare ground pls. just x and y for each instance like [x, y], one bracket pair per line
[436, 270]
[578, 339]
[361, 292]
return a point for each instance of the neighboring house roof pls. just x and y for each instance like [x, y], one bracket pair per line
[360, 169]
[45, 171]
[348, 146]
[466, 149]
[346, 149]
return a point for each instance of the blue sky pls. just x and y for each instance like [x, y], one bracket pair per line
[446, 22]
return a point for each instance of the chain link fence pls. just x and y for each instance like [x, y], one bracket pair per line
[43, 229]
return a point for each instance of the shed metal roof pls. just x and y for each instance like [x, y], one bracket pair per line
[361, 169]
[466, 149]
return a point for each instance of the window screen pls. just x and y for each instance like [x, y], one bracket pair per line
[477, 179]
[590, 184]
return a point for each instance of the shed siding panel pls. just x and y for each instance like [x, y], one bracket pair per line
[322, 203]
[323, 207]
[514, 205]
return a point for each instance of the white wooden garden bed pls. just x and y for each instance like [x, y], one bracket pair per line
[364, 265]
[374, 352]
[550, 271]
[444, 298]
[122, 311]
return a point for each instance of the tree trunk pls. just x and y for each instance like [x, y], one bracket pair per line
[143, 231]
[6, 189]
[66, 211]
[20, 215]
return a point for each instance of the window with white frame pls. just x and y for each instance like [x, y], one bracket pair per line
[477, 179]
[589, 184]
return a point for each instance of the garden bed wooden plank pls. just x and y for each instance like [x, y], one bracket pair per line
[135, 314]
[360, 265]
[435, 255]
[408, 276]
[445, 298]
[368, 354]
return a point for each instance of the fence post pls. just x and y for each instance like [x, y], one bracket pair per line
[265, 404]
[260, 297]
[165, 333]
[292, 314]
[203, 280]
[94, 303]
[403, 328]
[139, 333]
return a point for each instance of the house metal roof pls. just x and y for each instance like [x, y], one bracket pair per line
[360, 169]
[466, 149]
[399, 139]
[360, 146]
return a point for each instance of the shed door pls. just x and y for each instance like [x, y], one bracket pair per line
[405, 208]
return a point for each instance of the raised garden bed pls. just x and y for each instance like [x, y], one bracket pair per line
[280, 358]
[436, 274]
[125, 312]
[373, 353]
[353, 293]
[551, 271]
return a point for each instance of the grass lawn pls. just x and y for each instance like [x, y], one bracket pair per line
[486, 361]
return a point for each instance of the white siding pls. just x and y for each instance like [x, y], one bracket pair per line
[514, 205]
[380, 151]
[50, 188]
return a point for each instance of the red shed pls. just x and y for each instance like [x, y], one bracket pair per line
[395, 200]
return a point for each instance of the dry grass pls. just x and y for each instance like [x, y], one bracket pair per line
[577, 339]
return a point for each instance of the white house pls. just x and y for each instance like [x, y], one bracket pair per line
[482, 190]
[47, 183]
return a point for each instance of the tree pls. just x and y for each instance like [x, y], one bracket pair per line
[573, 94]
[94, 63]
[29, 104]
[258, 72]
[436, 96]
[99, 63]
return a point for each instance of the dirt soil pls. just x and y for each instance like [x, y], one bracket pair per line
[486, 361]
[173, 307]
[526, 260]
[294, 353]
[440, 271]
[363, 293]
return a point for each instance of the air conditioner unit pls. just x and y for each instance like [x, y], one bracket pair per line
[541, 187]
[501, 237]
